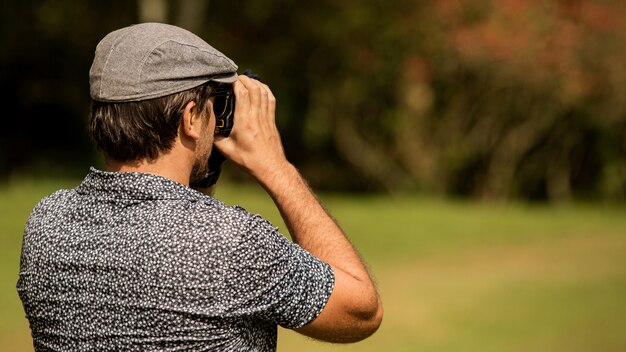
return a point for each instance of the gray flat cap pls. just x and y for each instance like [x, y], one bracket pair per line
[151, 60]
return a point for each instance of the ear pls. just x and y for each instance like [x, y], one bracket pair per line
[191, 124]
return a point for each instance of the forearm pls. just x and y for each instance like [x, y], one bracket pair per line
[354, 310]
[309, 224]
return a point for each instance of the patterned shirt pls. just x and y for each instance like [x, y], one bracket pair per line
[137, 262]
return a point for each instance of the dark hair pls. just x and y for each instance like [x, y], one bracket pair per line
[138, 130]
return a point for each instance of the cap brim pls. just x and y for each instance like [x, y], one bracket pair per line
[227, 78]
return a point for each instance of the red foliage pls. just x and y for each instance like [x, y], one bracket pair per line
[538, 41]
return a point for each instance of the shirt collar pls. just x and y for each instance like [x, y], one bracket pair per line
[134, 185]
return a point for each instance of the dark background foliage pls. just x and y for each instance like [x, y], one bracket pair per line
[483, 99]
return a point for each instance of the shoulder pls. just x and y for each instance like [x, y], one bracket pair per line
[46, 213]
[234, 222]
[243, 228]
[205, 206]
[51, 202]
[56, 196]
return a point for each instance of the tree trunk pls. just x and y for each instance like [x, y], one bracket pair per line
[153, 10]
[192, 14]
[371, 160]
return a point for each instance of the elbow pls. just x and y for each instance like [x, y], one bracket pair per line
[370, 321]
[364, 324]
[347, 318]
[378, 317]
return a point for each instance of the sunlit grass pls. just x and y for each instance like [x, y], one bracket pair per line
[454, 276]
[392, 229]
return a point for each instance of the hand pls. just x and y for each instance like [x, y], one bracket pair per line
[254, 143]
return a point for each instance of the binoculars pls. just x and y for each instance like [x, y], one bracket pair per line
[224, 106]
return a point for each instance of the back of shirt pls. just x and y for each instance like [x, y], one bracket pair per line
[131, 261]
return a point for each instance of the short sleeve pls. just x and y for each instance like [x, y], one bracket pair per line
[274, 279]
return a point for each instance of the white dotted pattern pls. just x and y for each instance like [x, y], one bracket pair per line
[137, 262]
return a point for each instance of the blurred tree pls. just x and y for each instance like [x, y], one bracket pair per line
[47, 47]
[481, 98]
[539, 98]
[493, 99]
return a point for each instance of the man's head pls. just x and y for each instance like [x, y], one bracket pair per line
[142, 79]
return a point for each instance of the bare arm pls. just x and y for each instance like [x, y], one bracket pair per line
[354, 310]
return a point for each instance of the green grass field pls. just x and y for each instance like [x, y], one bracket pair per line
[454, 276]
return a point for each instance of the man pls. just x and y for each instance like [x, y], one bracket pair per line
[135, 259]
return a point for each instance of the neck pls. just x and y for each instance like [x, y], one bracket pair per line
[170, 165]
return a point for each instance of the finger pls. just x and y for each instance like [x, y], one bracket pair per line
[271, 103]
[242, 101]
[222, 143]
[254, 92]
[226, 146]
[250, 84]
[241, 92]
[264, 101]
[268, 102]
